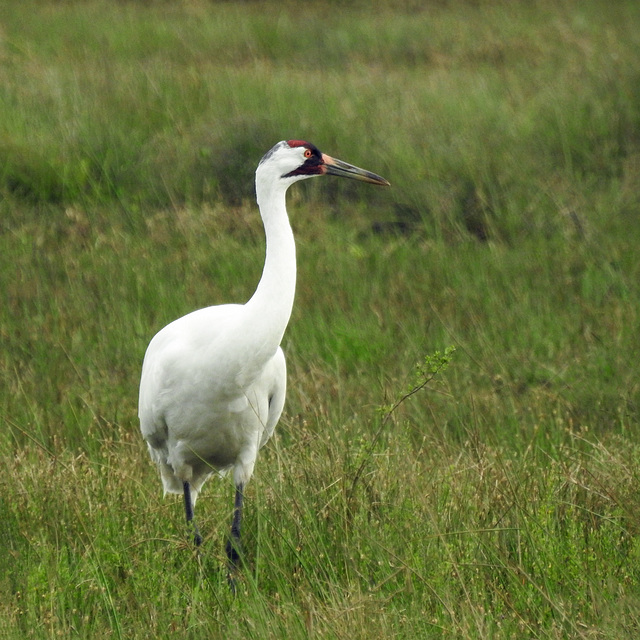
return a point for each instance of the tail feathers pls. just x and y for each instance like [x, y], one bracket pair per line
[172, 484]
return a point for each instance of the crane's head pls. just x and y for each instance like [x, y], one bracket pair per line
[292, 160]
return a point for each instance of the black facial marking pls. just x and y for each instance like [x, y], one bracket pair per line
[312, 166]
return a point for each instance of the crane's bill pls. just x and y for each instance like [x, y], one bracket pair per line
[335, 167]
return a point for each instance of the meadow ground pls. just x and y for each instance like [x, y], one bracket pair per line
[502, 500]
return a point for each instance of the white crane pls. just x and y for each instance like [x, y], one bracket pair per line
[213, 382]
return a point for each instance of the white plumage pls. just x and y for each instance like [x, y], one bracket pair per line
[213, 382]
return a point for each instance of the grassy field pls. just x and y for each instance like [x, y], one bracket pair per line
[502, 500]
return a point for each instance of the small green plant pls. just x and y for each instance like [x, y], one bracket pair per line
[425, 372]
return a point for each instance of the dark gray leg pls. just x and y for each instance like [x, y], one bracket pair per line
[233, 544]
[188, 508]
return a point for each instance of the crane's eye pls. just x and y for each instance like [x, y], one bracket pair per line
[308, 153]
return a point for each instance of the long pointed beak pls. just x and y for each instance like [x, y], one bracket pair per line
[335, 167]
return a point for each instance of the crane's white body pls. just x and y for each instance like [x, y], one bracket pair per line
[219, 415]
[214, 381]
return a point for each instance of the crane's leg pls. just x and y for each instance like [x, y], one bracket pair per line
[233, 544]
[188, 508]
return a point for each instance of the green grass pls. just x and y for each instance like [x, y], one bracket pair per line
[501, 501]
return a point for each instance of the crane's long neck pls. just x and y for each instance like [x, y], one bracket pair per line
[267, 313]
[273, 298]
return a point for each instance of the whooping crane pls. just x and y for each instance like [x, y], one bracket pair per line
[213, 382]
